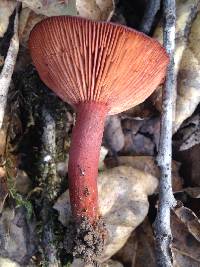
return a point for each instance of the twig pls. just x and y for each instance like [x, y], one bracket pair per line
[50, 181]
[166, 198]
[7, 71]
[150, 12]
[49, 173]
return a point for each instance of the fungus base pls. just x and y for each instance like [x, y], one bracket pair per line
[86, 240]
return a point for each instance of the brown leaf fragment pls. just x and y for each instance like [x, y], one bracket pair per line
[189, 218]
[127, 253]
[146, 248]
[181, 260]
[3, 189]
[185, 248]
[139, 250]
[191, 133]
[193, 192]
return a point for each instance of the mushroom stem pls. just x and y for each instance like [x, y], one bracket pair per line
[84, 158]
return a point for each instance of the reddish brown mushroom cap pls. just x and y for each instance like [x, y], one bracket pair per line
[83, 60]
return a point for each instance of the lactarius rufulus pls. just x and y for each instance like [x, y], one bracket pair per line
[100, 69]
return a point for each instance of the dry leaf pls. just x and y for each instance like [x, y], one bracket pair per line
[6, 9]
[189, 218]
[51, 7]
[186, 11]
[139, 250]
[3, 189]
[5, 262]
[35, 11]
[148, 165]
[145, 255]
[95, 9]
[128, 252]
[18, 236]
[185, 248]
[190, 131]
[123, 200]
[193, 192]
[188, 86]
[28, 19]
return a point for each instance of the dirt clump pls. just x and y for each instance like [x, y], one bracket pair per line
[86, 240]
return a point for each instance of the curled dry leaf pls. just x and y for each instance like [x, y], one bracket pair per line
[188, 87]
[6, 9]
[189, 218]
[123, 193]
[95, 9]
[185, 13]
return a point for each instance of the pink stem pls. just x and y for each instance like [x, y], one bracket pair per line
[84, 158]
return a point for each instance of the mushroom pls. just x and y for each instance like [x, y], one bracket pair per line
[100, 69]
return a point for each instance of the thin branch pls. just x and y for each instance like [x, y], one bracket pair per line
[50, 181]
[150, 12]
[166, 198]
[7, 71]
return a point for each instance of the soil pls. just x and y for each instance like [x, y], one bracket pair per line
[86, 240]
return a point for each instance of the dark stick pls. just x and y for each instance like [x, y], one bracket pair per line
[166, 199]
[150, 12]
